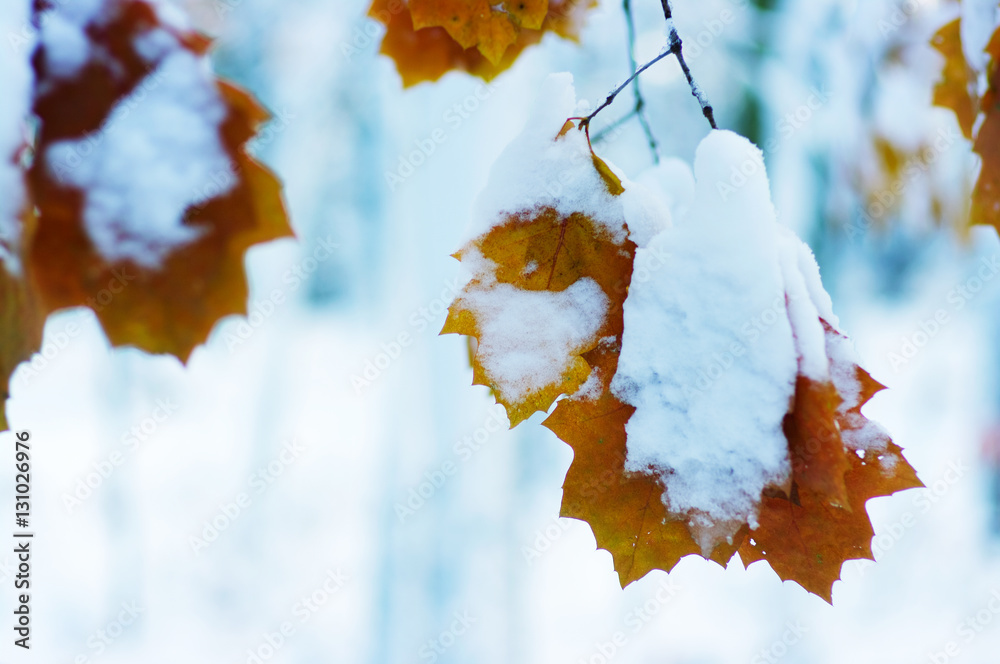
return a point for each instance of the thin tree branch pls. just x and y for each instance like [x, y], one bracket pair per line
[677, 48]
[640, 103]
[585, 122]
[603, 133]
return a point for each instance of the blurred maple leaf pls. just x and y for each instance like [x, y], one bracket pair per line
[957, 91]
[167, 305]
[899, 171]
[428, 38]
[142, 199]
[986, 196]
[957, 88]
[20, 324]
[476, 23]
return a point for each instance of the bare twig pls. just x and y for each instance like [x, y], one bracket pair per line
[640, 103]
[603, 133]
[585, 122]
[677, 48]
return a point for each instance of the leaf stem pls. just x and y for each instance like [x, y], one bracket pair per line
[640, 103]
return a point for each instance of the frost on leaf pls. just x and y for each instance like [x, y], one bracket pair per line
[428, 38]
[147, 200]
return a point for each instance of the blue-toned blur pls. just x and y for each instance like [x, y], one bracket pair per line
[321, 482]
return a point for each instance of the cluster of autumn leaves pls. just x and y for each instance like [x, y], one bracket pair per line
[805, 531]
[839, 459]
[169, 308]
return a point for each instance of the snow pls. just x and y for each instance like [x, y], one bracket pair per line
[592, 388]
[979, 20]
[80, 12]
[538, 171]
[63, 36]
[159, 155]
[647, 212]
[154, 44]
[723, 313]
[672, 181]
[810, 337]
[15, 84]
[173, 14]
[708, 358]
[529, 338]
[865, 434]
[67, 47]
[809, 270]
[535, 171]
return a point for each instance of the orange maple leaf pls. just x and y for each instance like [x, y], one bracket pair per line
[806, 537]
[819, 459]
[625, 510]
[428, 38]
[805, 531]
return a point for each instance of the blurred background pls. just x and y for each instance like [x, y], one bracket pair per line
[321, 484]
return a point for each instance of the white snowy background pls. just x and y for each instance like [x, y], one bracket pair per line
[483, 565]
